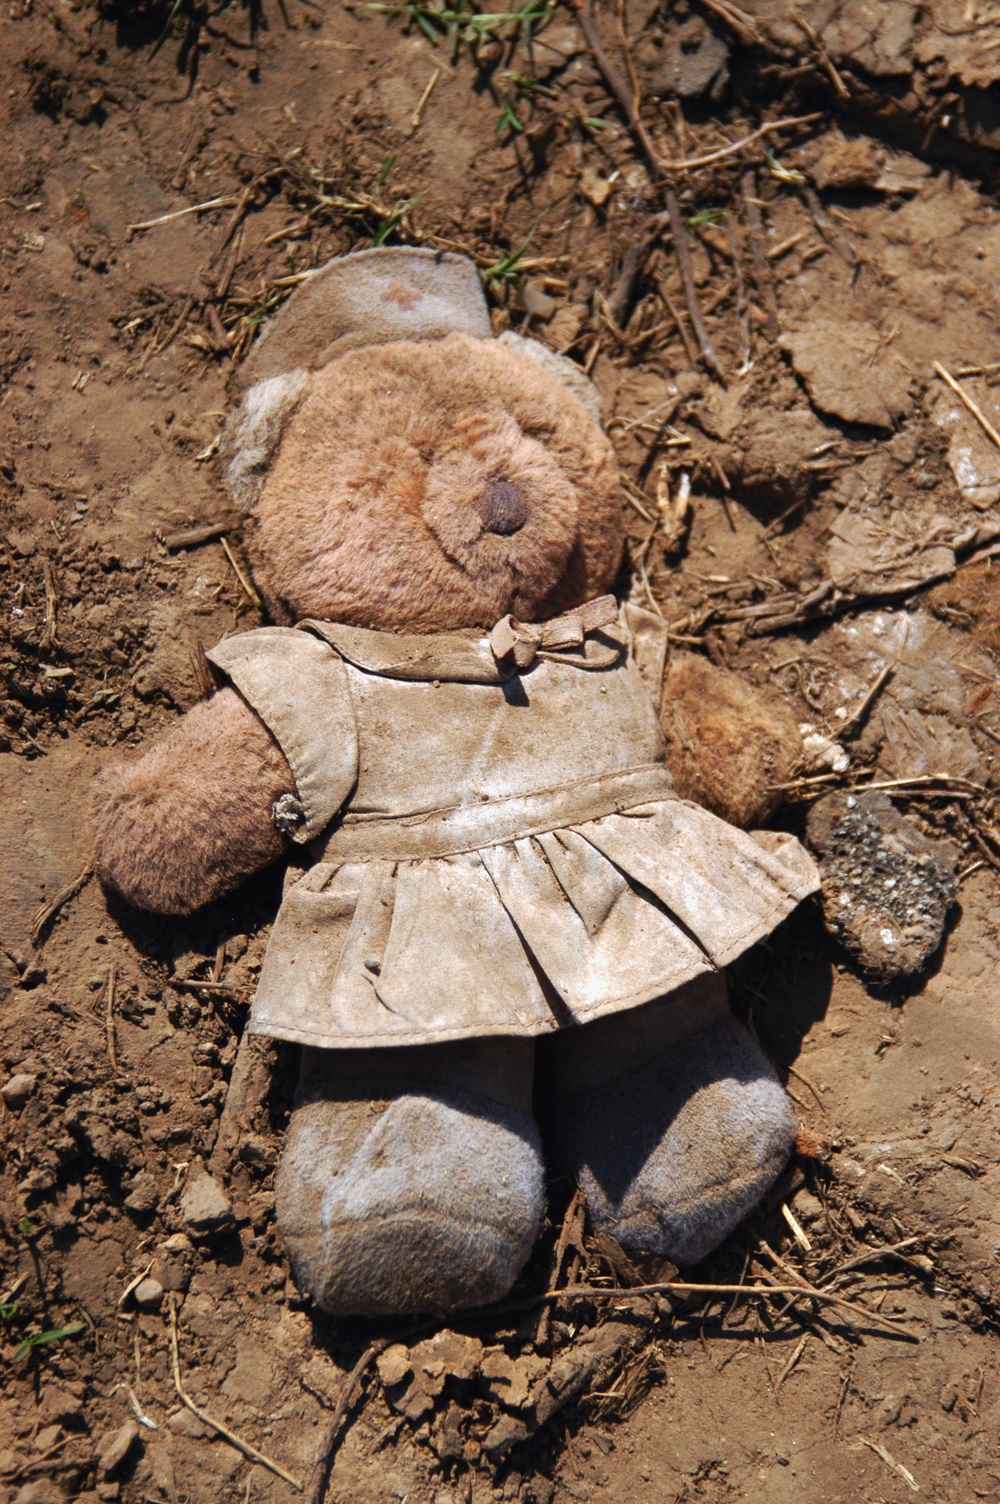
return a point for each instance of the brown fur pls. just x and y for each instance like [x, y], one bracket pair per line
[192, 817]
[728, 744]
[369, 514]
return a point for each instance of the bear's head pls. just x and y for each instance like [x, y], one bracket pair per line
[401, 469]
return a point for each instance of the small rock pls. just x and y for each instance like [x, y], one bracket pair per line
[808, 1208]
[143, 1196]
[827, 353]
[172, 1260]
[594, 187]
[205, 1206]
[508, 1380]
[887, 887]
[59, 1403]
[148, 1295]
[47, 1437]
[446, 1353]
[848, 163]
[508, 1431]
[17, 1090]
[535, 301]
[10, 1461]
[184, 1423]
[394, 1364]
[113, 1448]
[42, 1491]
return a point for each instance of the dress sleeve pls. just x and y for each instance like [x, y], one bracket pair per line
[298, 686]
[650, 646]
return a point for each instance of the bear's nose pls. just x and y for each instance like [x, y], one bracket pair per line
[503, 508]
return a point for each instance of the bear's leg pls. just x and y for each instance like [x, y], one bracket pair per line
[412, 1179]
[671, 1119]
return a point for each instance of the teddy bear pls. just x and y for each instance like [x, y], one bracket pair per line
[503, 933]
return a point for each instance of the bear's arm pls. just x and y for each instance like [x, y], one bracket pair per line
[730, 745]
[191, 819]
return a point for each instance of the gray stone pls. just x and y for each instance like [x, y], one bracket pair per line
[205, 1206]
[113, 1448]
[17, 1090]
[887, 887]
[148, 1295]
[143, 1196]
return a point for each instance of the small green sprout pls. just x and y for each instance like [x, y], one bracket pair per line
[706, 219]
[392, 219]
[462, 22]
[508, 268]
[42, 1339]
[783, 174]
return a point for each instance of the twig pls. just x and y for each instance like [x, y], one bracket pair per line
[800, 1076]
[803, 1291]
[745, 26]
[683, 252]
[675, 314]
[157, 349]
[48, 911]
[872, 1255]
[181, 984]
[871, 694]
[742, 310]
[48, 634]
[193, 536]
[687, 163]
[798, 1232]
[321, 1470]
[245, 1447]
[761, 270]
[245, 1095]
[425, 96]
[242, 207]
[656, 168]
[149, 224]
[825, 60]
[973, 407]
[796, 1355]
[583, 11]
[109, 1014]
[891, 1463]
[248, 589]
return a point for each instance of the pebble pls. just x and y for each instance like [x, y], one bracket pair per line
[148, 1295]
[143, 1196]
[205, 1207]
[60, 1403]
[17, 1090]
[113, 1448]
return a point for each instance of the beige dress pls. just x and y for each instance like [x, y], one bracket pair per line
[486, 851]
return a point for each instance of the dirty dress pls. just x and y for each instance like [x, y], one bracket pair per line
[485, 849]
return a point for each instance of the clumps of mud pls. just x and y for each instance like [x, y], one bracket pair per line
[887, 887]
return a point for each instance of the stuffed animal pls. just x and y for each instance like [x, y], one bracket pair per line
[498, 912]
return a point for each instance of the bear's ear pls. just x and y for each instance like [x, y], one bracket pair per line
[254, 431]
[565, 371]
[376, 297]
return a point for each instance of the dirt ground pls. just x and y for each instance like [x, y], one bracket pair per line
[155, 206]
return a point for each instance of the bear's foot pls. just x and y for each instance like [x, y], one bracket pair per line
[411, 1179]
[671, 1119]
